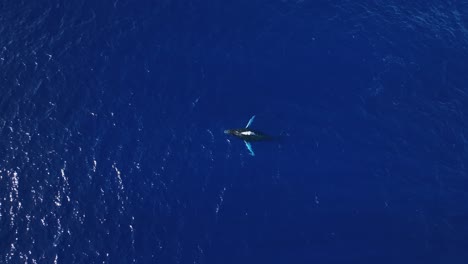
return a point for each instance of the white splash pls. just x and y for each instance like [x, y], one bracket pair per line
[65, 181]
[14, 196]
[221, 200]
[58, 199]
[119, 178]
[211, 134]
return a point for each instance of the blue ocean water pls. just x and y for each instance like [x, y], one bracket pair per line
[112, 116]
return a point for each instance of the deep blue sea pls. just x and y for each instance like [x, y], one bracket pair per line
[112, 119]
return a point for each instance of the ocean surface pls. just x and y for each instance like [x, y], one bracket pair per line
[112, 116]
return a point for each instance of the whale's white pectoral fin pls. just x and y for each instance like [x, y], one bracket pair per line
[250, 121]
[249, 147]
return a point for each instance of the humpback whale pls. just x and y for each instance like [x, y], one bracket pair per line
[248, 135]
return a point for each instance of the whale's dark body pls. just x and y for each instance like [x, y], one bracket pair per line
[248, 135]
